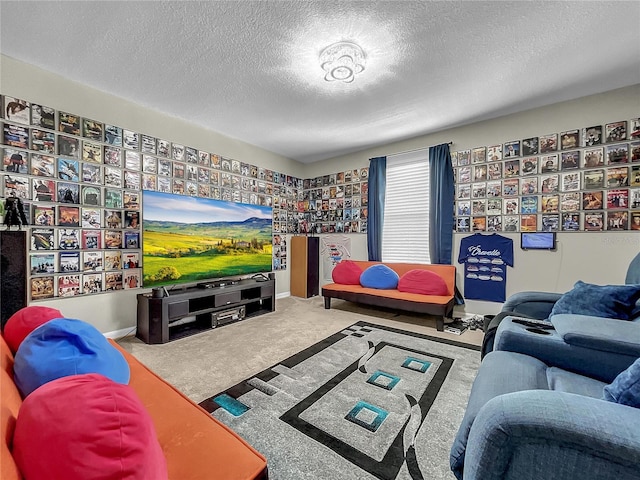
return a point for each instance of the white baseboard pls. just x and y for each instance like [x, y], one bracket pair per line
[283, 295]
[123, 332]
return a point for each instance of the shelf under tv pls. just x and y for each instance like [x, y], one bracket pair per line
[196, 309]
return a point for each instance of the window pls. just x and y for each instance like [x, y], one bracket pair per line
[405, 235]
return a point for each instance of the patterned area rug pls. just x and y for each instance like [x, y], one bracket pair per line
[368, 402]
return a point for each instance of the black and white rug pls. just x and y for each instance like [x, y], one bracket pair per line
[368, 402]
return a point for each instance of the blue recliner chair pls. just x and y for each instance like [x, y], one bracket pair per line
[538, 305]
[537, 408]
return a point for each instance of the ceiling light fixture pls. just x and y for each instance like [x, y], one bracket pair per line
[342, 61]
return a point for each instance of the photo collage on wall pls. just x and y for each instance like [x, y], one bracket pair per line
[80, 181]
[585, 179]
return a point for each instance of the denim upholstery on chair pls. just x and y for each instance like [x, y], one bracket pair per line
[539, 305]
[526, 420]
[537, 408]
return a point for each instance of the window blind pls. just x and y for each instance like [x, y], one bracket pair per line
[405, 236]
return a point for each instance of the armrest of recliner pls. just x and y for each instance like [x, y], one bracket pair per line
[547, 435]
[596, 333]
[534, 304]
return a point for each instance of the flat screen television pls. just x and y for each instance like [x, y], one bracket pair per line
[193, 240]
[538, 240]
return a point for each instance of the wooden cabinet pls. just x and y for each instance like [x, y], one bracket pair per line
[304, 263]
[193, 310]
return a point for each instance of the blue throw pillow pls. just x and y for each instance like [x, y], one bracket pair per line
[379, 276]
[64, 347]
[625, 389]
[607, 301]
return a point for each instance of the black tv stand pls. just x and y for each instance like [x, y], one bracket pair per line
[196, 309]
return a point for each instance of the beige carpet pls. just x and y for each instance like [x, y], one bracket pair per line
[215, 360]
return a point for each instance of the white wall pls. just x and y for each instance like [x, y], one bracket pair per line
[111, 312]
[595, 257]
[598, 257]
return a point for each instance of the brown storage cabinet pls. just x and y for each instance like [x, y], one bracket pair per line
[304, 264]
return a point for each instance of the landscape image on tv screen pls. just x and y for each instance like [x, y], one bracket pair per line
[189, 239]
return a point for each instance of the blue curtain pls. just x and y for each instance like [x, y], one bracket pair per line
[441, 201]
[377, 187]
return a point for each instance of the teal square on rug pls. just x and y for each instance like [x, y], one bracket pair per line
[368, 402]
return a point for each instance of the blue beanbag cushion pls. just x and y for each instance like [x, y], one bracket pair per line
[625, 388]
[607, 301]
[379, 276]
[63, 347]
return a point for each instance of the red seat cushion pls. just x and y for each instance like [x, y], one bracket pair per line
[25, 321]
[423, 282]
[346, 273]
[85, 427]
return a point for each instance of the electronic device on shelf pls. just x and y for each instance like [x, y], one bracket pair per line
[532, 322]
[217, 283]
[538, 240]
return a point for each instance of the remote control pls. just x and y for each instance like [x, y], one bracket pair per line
[532, 322]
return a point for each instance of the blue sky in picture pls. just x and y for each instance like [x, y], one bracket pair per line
[170, 207]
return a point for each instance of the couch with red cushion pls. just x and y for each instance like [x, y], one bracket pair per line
[412, 287]
[87, 425]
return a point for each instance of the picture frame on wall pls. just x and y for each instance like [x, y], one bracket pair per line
[548, 143]
[592, 200]
[593, 179]
[570, 202]
[593, 221]
[592, 136]
[530, 146]
[112, 156]
[69, 123]
[511, 149]
[570, 222]
[92, 130]
[478, 155]
[16, 110]
[42, 165]
[16, 136]
[113, 135]
[164, 148]
[634, 129]
[593, 157]
[549, 164]
[91, 152]
[68, 192]
[44, 190]
[464, 158]
[69, 262]
[43, 116]
[43, 141]
[42, 287]
[494, 153]
[130, 139]
[617, 220]
[617, 154]
[529, 165]
[570, 160]
[550, 222]
[148, 144]
[569, 139]
[615, 131]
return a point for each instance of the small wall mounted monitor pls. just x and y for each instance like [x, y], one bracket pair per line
[538, 240]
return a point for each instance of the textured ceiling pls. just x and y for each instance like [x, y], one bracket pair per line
[249, 69]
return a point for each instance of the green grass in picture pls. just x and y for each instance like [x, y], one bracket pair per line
[174, 257]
